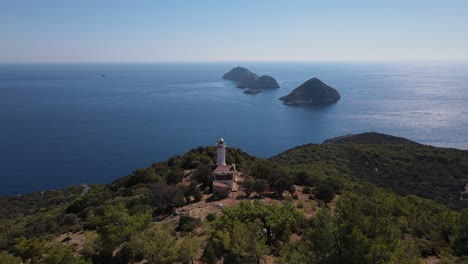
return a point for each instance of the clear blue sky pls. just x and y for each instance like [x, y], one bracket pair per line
[216, 30]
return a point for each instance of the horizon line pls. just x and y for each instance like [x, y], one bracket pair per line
[236, 61]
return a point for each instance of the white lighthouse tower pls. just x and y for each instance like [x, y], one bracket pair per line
[224, 176]
[221, 153]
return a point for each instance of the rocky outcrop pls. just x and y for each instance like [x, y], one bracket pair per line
[312, 91]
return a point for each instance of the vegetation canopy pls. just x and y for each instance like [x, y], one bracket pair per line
[346, 201]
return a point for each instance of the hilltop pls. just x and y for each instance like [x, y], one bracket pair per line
[369, 138]
[403, 166]
[240, 75]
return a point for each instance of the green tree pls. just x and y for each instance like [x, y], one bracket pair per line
[295, 252]
[319, 238]
[405, 252]
[334, 242]
[246, 241]
[167, 197]
[58, 253]
[6, 258]
[197, 195]
[260, 186]
[189, 190]
[91, 245]
[175, 176]
[29, 249]
[193, 190]
[335, 184]
[189, 248]
[116, 225]
[261, 168]
[187, 223]
[325, 193]
[461, 238]
[447, 258]
[277, 221]
[283, 183]
[304, 178]
[307, 190]
[205, 159]
[70, 220]
[247, 186]
[189, 161]
[203, 175]
[157, 245]
[138, 176]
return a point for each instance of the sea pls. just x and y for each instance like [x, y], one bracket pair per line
[68, 124]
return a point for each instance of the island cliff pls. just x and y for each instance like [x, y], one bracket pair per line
[312, 91]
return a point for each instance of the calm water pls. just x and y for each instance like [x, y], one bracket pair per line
[62, 125]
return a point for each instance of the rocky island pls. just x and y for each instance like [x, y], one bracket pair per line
[240, 75]
[247, 79]
[312, 91]
[252, 91]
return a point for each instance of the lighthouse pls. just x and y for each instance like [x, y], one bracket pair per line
[224, 176]
[221, 153]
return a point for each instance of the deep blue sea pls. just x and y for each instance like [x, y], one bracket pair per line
[66, 124]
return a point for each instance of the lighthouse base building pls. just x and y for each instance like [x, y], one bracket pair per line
[224, 176]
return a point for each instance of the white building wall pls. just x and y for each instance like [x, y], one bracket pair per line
[228, 182]
[221, 154]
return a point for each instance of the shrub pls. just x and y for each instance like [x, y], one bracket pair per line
[187, 224]
[197, 195]
[70, 219]
[211, 217]
[175, 176]
[300, 204]
[307, 190]
[325, 193]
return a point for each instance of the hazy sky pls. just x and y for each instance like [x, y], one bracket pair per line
[216, 30]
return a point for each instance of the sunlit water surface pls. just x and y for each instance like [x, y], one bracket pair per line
[72, 123]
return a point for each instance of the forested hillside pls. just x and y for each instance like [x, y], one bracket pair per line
[340, 202]
[397, 164]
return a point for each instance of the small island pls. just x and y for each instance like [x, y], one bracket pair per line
[249, 80]
[313, 91]
[252, 91]
[240, 75]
